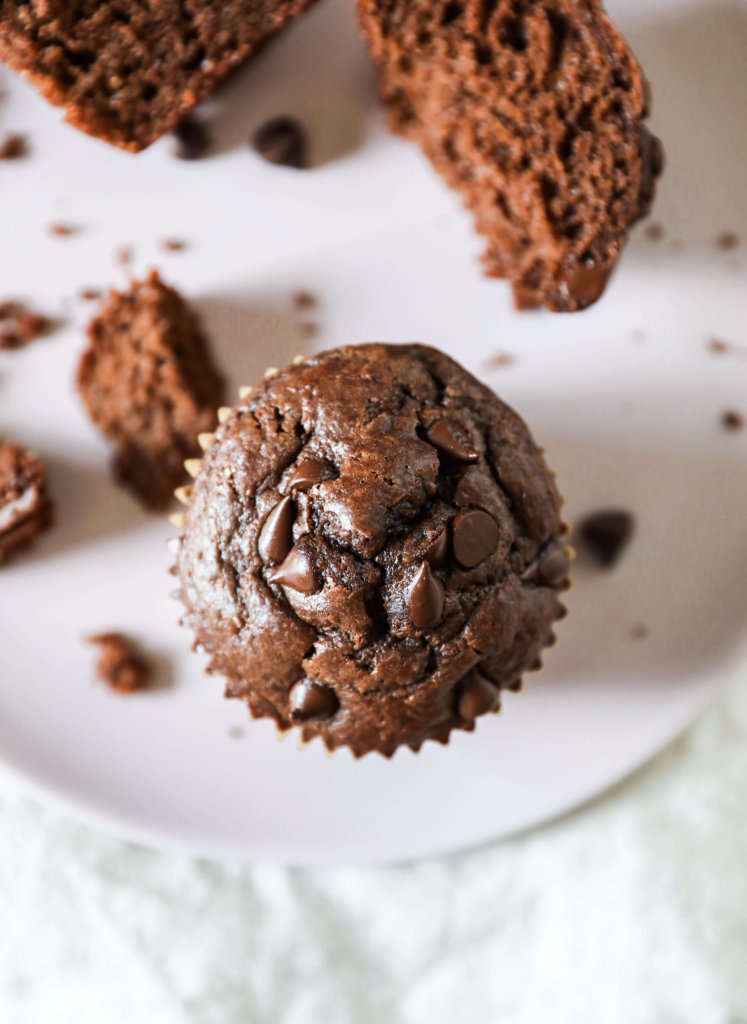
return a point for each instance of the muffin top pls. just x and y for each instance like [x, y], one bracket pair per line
[372, 548]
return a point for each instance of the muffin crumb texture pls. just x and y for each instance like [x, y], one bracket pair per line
[119, 666]
[149, 384]
[373, 549]
[25, 507]
[534, 112]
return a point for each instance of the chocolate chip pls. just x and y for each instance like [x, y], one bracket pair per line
[123, 255]
[717, 346]
[475, 537]
[13, 147]
[309, 700]
[295, 572]
[732, 420]
[90, 294]
[307, 473]
[282, 141]
[172, 245]
[606, 534]
[437, 551]
[62, 230]
[304, 300]
[425, 604]
[727, 241]
[554, 566]
[276, 536]
[449, 438]
[654, 232]
[477, 696]
[192, 138]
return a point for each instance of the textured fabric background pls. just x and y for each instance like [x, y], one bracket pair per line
[632, 911]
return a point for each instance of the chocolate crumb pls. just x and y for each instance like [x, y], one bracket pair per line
[305, 300]
[498, 360]
[60, 230]
[282, 141]
[172, 244]
[25, 507]
[90, 294]
[727, 241]
[654, 232]
[639, 631]
[119, 665]
[732, 420]
[123, 255]
[19, 326]
[717, 346]
[13, 147]
[606, 534]
[192, 138]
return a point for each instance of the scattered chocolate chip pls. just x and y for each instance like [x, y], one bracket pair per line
[654, 232]
[499, 360]
[276, 536]
[606, 533]
[449, 438]
[172, 245]
[282, 141]
[639, 631]
[727, 241]
[19, 326]
[119, 666]
[717, 346]
[475, 537]
[305, 300]
[90, 294]
[425, 603]
[123, 255]
[13, 147]
[311, 700]
[437, 551]
[192, 138]
[295, 572]
[61, 230]
[732, 420]
[554, 566]
[307, 473]
[477, 696]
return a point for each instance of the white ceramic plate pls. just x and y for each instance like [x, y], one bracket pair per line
[626, 398]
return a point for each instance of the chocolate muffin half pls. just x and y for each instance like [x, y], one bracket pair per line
[372, 548]
[533, 110]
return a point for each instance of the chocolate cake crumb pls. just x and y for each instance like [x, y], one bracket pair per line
[499, 360]
[61, 230]
[717, 346]
[119, 665]
[305, 300]
[535, 113]
[727, 241]
[639, 631]
[606, 533]
[128, 71]
[732, 420]
[172, 245]
[123, 255]
[19, 326]
[148, 381]
[90, 294]
[654, 232]
[282, 140]
[25, 508]
[192, 138]
[14, 147]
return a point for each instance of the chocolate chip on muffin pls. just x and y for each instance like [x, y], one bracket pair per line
[372, 548]
[149, 384]
[25, 507]
[533, 110]
[127, 71]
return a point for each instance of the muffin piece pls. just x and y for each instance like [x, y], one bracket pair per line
[127, 70]
[533, 111]
[119, 666]
[19, 326]
[372, 549]
[150, 386]
[25, 508]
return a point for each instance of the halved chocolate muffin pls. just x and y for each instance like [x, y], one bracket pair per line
[372, 548]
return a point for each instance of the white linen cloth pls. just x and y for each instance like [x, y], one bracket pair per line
[630, 911]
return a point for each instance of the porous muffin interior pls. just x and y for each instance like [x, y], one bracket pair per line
[372, 526]
[128, 69]
[533, 109]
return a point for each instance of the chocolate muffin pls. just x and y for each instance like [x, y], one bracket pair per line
[25, 507]
[128, 70]
[533, 110]
[372, 548]
[149, 384]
